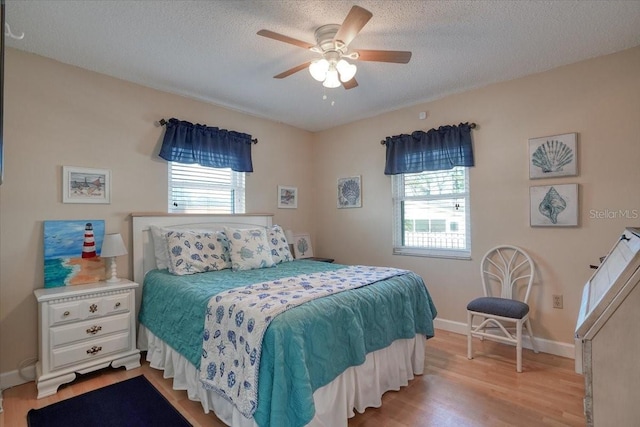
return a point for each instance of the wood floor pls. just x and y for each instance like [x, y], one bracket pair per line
[453, 391]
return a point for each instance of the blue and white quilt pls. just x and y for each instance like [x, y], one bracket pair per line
[237, 319]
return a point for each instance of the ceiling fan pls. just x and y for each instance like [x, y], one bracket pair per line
[332, 43]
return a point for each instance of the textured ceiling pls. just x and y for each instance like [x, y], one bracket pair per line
[209, 50]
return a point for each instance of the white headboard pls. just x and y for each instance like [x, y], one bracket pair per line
[143, 252]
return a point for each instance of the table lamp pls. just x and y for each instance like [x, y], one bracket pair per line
[113, 247]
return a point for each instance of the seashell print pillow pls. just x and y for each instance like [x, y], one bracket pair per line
[249, 248]
[193, 252]
[279, 246]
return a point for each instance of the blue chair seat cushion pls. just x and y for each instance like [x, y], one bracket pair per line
[499, 307]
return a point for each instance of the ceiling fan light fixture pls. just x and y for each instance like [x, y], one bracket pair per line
[332, 81]
[318, 69]
[347, 71]
[332, 42]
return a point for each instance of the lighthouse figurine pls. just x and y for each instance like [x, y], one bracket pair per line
[89, 244]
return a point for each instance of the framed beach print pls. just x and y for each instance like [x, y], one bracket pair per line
[86, 185]
[553, 156]
[302, 246]
[554, 205]
[287, 197]
[350, 192]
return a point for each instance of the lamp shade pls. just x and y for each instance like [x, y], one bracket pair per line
[332, 81]
[347, 71]
[318, 69]
[113, 246]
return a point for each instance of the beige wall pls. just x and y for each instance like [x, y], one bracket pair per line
[59, 115]
[599, 99]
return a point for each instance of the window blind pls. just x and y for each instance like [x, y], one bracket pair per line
[197, 189]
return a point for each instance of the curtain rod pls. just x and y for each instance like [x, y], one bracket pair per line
[471, 125]
[164, 122]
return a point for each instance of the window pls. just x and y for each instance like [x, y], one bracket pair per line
[197, 189]
[431, 213]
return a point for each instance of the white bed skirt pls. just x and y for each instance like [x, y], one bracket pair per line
[358, 387]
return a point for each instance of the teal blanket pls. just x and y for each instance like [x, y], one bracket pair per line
[312, 343]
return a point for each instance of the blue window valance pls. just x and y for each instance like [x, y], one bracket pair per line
[438, 149]
[187, 143]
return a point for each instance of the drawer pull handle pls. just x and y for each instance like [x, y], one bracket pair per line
[94, 329]
[93, 308]
[66, 313]
[94, 350]
[117, 305]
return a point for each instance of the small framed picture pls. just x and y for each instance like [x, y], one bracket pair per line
[349, 192]
[302, 246]
[287, 197]
[554, 205]
[553, 156]
[86, 185]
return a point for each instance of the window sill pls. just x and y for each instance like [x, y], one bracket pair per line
[433, 253]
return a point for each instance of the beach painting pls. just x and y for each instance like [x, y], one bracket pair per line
[71, 252]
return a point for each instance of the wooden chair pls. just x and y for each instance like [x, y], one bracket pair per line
[506, 268]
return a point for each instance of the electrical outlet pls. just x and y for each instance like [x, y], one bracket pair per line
[557, 301]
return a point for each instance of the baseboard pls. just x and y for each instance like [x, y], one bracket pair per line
[545, 346]
[14, 378]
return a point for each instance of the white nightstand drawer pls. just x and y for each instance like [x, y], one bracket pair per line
[94, 349]
[76, 310]
[65, 312]
[116, 303]
[65, 334]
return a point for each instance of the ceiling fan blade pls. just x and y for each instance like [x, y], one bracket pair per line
[292, 70]
[283, 38]
[350, 84]
[397, 56]
[353, 23]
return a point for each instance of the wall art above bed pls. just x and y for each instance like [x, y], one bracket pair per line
[287, 197]
[553, 156]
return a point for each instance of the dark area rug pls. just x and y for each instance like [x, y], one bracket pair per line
[133, 402]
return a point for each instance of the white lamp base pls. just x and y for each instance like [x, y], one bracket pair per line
[114, 275]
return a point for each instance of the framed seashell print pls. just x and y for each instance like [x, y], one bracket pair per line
[554, 205]
[553, 156]
[350, 192]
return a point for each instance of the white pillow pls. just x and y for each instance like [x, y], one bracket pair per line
[193, 252]
[279, 246]
[158, 235]
[249, 248]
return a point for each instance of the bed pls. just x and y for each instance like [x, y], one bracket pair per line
[319, 361]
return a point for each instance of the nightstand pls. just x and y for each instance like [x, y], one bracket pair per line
[83, 328]
[319, 259]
